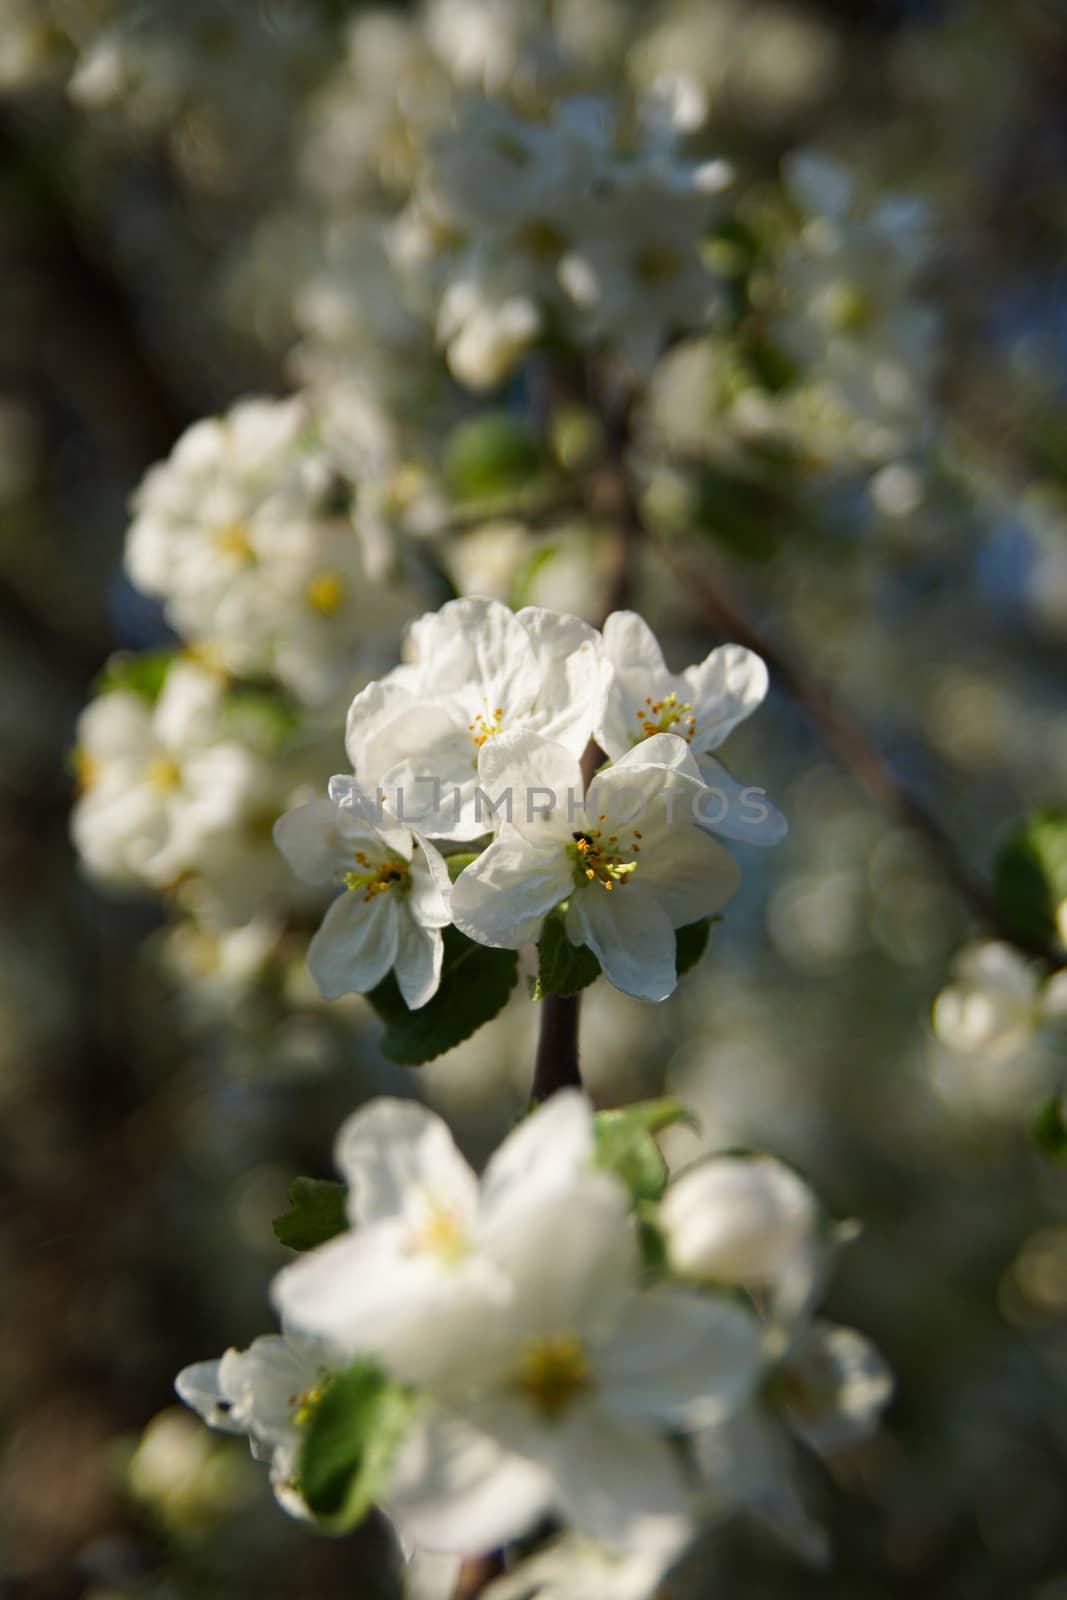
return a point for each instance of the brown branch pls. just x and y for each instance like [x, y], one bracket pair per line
[476, 1574]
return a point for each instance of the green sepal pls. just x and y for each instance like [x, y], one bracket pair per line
[624, 1144]
[317, 1213]
[351, 1443]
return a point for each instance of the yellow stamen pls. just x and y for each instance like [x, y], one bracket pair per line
[442, 1235]
[164, 773]
[486, 724]
[325, 592]
[669, 715]
[554, 1372]
[597, 859]
[376, 878]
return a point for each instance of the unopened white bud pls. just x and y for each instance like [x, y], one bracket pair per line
[737, 1219]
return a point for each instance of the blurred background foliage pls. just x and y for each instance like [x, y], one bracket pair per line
[158, 202]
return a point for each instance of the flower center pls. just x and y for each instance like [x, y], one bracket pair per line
[669, 715]
[232, 539]
[375, 877]
[600, 859]
[542, 240]
[554, 1372]
[657, 264]
[486, 724]
[441, 1235]
[303, 1405]
[325, 593]
[164, 774]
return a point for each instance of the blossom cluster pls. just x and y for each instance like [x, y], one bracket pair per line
[477, 740]
[543, 1341]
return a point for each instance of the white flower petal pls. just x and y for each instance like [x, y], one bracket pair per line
[631, 936]
[683, 1359]
[503, 898]
[356, 944]
[543, 780]
[391, 1149]
[617, 1481]
[736, 810]
[419, 954]
[549, 1150]
[454, 1488]
[686, 872]
[726, 687]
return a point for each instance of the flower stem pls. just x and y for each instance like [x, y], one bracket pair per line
[556, 1063]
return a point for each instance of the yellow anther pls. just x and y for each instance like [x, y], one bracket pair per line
[375, 880]
[326, 592]
[485, 725]
[554, 1372]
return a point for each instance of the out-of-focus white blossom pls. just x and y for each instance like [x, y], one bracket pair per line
[738, 1219]
[996, 1003]
[233, 532]
[265, 1392]
[156, 781]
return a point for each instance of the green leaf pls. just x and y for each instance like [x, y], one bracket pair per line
[625, 1144]
[690, 943]
[475, 983]
[1030, 877]
[564, 968]
[351, 1443]
[317, 1214]
[143, 674]
[491, 457]
[1050, 1131]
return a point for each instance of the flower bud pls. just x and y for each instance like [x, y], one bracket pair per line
[737, 1219]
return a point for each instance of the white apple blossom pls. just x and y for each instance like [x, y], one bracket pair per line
[474, 669]
[394, 900]
[635, 271]
[631, 860]
[851, 313]
[232, 532]
[426, 1234]
[157, 782]
[997, 1003]
[517, 1304]
[266, 1392]
[738, 1219]
[702, 705]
